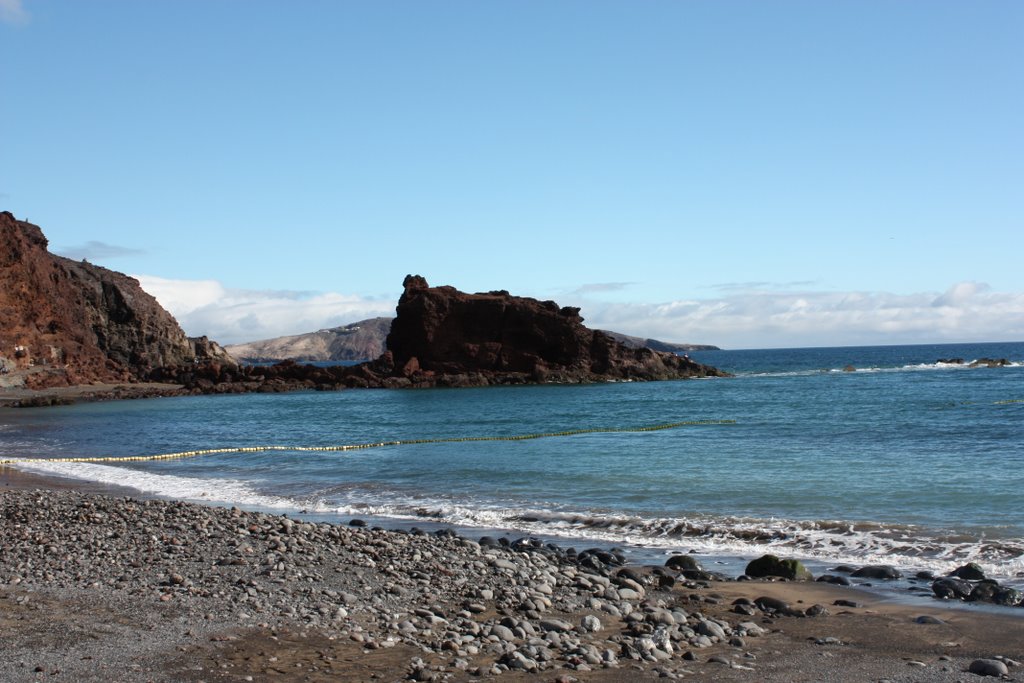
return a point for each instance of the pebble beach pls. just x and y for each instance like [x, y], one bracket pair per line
[99, 587]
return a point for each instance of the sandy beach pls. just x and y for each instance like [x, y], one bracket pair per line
[101, 587]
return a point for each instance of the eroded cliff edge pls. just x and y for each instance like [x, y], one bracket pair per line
[65, 322]
[495, 337]
[442, 337]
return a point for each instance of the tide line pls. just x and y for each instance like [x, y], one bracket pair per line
[363, 446]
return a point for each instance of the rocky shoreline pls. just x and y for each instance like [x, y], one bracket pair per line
[96, 587]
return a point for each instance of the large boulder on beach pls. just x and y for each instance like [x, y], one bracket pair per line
[689, 568]
[771, 565]
[988, 667]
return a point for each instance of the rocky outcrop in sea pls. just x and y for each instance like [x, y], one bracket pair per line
[74, 323]
[442, 337]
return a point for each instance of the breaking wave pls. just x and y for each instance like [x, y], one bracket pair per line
[908, 547]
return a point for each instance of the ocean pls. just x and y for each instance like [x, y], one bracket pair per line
[859, 455]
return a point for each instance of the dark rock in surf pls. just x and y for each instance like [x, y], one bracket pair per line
[970, 571]
[832, 578]
[989, 363]
[952, 588]
[1008, 597]
[877, 571]
[770, 565]
[683, 562]
[983, 591]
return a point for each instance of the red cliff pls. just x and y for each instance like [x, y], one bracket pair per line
[65, 322]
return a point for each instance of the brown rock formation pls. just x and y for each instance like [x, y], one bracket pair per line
[444, 336]
[365, 340]
[64, 322]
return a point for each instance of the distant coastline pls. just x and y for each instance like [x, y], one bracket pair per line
[365, 340]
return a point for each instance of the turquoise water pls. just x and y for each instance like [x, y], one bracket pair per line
[904, 460]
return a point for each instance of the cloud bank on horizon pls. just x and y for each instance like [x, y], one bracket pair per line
[231, 316]
[751, 318]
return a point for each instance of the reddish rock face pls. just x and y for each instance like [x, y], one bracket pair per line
[66, 322]
[495, 337]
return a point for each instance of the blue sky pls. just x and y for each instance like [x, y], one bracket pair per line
[747, 174]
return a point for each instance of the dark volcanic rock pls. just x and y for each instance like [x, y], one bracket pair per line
[770, 565]
[952, 588]
[71, 322]
[365, 340]
[970, 571]
[990, 363]
[877, 571]
[497, 338]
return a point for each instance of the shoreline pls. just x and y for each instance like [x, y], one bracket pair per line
[19, 397]
[910, 590]
[198, 592]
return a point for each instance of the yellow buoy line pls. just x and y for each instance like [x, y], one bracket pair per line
[363, 446]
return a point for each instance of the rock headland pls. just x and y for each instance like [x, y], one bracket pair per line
[498, 338]
[442, 337]
[69, 325]
[68, 322]
[365, 340]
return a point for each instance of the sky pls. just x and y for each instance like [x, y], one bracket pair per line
[747, 174]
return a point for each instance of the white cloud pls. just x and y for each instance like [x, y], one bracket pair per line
[967, 311]
[12, 12]
[231, 316]
[182, 297]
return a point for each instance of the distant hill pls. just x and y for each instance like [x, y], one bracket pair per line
[356, 342]
[365, 339]
[656, 345]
